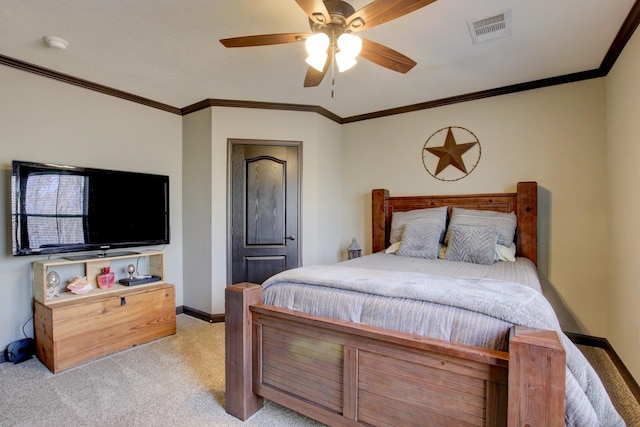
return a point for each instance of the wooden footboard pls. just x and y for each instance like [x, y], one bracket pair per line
[343, 373]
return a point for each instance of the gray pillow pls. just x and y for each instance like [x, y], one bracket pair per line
[433, 215]
[504, 223]
[420, 240]
[472, 244]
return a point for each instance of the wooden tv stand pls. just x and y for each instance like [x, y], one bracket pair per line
[74, 329]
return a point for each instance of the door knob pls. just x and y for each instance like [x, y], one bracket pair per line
[291, 237]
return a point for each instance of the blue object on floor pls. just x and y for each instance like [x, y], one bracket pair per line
[21, 350]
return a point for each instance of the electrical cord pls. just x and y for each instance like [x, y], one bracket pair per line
[25, 324]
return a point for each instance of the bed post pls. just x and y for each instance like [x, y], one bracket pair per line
[537, 364]
[240, 401]
[379, 219]
[527, 213]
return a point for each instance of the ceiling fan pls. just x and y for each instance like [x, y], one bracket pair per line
[332, 24]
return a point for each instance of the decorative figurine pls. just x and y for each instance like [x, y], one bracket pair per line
[79, 285]
[131, 269]
[52, 292]
[53, 280]
[106, 278]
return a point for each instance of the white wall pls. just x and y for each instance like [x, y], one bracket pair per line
[555, 136]
[623, 154]
[196, 162]
[321, 188]
[44, 120]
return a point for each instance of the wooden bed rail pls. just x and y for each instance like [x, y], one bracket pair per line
[343, 373]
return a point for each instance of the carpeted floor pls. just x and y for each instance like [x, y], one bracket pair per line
[622, 398]
[178, 380]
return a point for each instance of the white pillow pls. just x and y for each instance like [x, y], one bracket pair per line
[393, 248]
[505, 253]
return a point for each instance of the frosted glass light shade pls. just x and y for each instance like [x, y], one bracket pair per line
[344, 61]
[317, 43]
[349, 44]
[317, 46]
[317, 61]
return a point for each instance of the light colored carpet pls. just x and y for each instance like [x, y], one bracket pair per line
[622, 398]
[178, 380]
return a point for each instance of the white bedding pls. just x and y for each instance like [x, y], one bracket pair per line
[455, 301]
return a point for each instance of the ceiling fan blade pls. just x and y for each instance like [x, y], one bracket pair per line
[380, 11]
[315, 10]
[314, 77]
[264, 39]
[386, 57]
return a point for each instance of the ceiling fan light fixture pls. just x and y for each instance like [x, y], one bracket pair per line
[344, 61]
[317, 43]
[349, 44]
[317, 60]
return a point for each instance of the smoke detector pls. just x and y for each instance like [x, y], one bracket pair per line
[56, 42]
[490, 28]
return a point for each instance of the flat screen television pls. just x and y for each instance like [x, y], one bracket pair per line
[60, 208]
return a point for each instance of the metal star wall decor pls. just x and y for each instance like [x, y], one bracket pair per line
[437, 158]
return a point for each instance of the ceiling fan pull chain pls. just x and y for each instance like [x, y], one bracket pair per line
[333, 60]
[333, 83]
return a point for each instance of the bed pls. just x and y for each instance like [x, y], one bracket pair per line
[362, 368]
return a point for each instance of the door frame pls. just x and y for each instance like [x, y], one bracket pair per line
[231, 142]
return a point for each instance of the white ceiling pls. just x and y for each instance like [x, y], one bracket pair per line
[168, 51]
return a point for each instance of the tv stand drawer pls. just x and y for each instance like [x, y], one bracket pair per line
[86, 329]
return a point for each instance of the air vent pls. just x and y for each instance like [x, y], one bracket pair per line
[490, 28]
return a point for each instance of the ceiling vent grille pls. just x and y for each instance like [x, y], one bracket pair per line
[490, 28]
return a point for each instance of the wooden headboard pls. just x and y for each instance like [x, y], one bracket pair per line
[524, 203]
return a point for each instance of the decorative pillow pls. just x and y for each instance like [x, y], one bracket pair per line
[432, 215]
[505, 253]
[393, 249]
[420, 240]
[472, 244]
[504, 223]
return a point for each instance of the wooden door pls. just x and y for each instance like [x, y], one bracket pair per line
[265, 185]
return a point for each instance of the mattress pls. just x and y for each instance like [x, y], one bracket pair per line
[397, 311]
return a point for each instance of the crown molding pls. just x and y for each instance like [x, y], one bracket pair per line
[65, 78]
[260, 105]
[624, 34]
[568, 78]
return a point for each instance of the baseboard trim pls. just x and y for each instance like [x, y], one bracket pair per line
[604, 344]
[207, 317]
